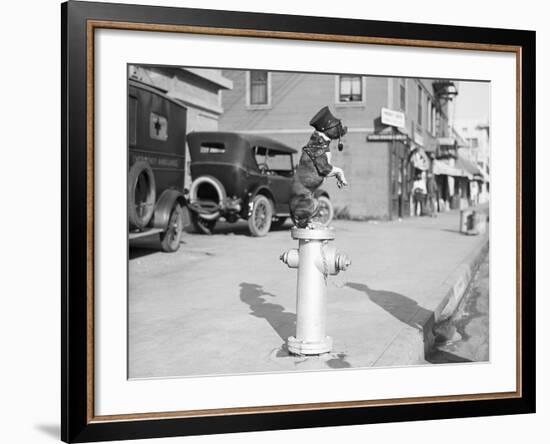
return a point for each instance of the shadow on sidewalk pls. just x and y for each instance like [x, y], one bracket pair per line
[283, 322]
[401, 307]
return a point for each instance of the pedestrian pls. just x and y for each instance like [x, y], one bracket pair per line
[432, 192]
[419, 194]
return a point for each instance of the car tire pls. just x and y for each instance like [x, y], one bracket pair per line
[216, 185]
[259, 221]
[325, 214]
[141, 194]
[202, 225]
[171, 238]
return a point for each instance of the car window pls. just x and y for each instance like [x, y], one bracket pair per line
[212, 148]
[273, 162]
[260, 155]
[279, 162]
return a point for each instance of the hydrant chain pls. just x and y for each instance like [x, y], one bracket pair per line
[324, 258]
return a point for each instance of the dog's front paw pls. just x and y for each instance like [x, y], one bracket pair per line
[341, 180]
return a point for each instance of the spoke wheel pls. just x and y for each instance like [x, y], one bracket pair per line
[325, 213]
[171, 238]
[259, 221]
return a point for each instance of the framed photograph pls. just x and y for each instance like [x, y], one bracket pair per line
[275, 221]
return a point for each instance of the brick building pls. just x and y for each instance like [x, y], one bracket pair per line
[388, 118]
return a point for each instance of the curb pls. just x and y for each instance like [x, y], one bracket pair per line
[456, 284]
[412, 345]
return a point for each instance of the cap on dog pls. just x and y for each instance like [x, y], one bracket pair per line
[324, 120]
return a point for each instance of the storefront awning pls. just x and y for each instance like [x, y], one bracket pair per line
[442, 168]
[462, 168]
[470, 169]
[446, 141]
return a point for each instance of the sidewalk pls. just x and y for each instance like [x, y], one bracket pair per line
[225, 303]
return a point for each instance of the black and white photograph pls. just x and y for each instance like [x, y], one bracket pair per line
[283, 221]
[275, 222]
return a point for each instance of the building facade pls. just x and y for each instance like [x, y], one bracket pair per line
[477, 149]
[395, 126]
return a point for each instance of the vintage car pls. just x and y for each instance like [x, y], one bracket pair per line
[244, 176]
[156, 165]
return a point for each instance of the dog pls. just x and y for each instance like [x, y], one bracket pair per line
[314, 166]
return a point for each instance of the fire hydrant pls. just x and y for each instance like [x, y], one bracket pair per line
[315, 261]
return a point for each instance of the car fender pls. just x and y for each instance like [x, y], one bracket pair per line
[164, 206]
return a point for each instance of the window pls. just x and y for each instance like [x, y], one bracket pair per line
[258, 92]
[273, 162]
[350, 89]
[158, 127]
[419, 110]
[279, 162]
[259, 155]
[212, 148]
[403, 95]
[473, 141]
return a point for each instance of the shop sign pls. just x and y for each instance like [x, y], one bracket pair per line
[418, 139]
[392, 118]
[386, 137]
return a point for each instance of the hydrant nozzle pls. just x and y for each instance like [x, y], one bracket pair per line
[291, 258]
[343, 262]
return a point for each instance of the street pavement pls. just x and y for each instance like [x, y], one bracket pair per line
[225, 304]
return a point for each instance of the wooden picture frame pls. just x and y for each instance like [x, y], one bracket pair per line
[79, 22]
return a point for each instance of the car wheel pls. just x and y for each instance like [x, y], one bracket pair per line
[326, 211]
[202, 225]
[259, 221]
[279, 222]
[171, 238]
[141, 194]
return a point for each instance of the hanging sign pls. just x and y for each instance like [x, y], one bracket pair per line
[392, 118]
